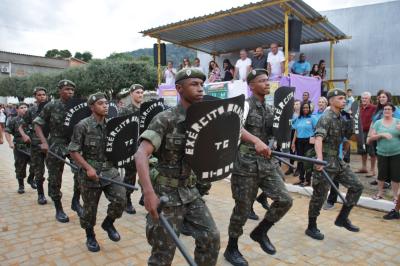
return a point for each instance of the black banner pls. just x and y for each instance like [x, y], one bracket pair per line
[122, 137]
[148, 110]
[212, 137]
[358, 129]
[112, 110]
[77, 109]
[283, 112]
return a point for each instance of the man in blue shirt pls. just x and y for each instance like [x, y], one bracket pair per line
[301, 67]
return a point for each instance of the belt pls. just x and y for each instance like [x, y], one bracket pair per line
[175, 182]
[102, 165]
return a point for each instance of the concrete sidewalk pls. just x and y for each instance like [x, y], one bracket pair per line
[30, 235]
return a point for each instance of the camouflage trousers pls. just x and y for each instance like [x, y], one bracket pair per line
[244, 192]
[56, 168]
[37, 163]
[115, 194]
[198, 219]
[339, 171]
[130, 176]
[20, 162]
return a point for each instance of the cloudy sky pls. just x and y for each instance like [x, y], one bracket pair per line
[105, 26]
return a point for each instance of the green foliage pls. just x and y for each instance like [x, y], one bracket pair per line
[55, 53]
[109, 75]
[85, 56]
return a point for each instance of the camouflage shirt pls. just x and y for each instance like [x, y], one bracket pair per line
[89, 138]
[130, 109]
[12, 128]
[28, 118]
[53, 115]
[333, 128]
[166, 133]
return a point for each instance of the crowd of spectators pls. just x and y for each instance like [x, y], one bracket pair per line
[6, 111]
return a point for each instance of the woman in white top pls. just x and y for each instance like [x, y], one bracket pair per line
[2, 122]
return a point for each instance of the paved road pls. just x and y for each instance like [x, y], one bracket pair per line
[30, 235]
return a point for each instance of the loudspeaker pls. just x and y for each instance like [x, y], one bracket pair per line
[295, 28]
[163, 54]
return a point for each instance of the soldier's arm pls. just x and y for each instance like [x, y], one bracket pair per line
[261, 147]
[21, 131]
[321, 133]
[9, 140]
[40, 121]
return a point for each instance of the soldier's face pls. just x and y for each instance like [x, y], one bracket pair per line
[66, 92]
[339, 101]
[100, 107]
[22, 110]
[40, 96]
[137, 96]
[260, 85]
[191, 90]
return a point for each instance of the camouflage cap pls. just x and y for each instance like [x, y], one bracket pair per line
[95, 97]
[21, 104]
[134, 87]
[188, 73]
[254, 73]
[36, 89]
[66, 82]
[335, 92]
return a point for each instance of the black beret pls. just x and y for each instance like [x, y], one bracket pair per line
[95, 97]
[66, 82]
[36, 89]
[256, 72]
[136, 87]
[335, 92]
[188, 73]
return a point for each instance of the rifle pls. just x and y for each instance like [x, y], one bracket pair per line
[171, 232]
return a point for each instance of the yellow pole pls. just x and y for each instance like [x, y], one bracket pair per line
[332, 65]
[286, 42]
[159, 60]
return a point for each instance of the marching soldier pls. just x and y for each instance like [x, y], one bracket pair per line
[329, 133]
[136, 95]
[53, 115]
[87, 149]
[172, 177]
[18, 145]
[251, 171]
[37, 156]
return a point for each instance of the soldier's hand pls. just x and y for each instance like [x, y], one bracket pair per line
[44, 147]
[151, 202]
[26, 139]
[319, 167]
[262, 149]
[92, 175]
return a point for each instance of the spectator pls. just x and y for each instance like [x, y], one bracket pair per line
[322, 74]
[2, 122]
[322, 104]
[292, 56]
[276, 62]
[196, 64]
[301, 67]
[306, 99]
[386, 132]
[214, 73]
[169, 74]
[383, 98]
[303, 140]
[259, 60]
[296, 113]
[349, 101]
[242, 67]
[394, 214]
[186, 63]
[229, 70]
[367, 110]
[314, 71]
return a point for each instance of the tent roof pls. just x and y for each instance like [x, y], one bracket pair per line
[248, 26]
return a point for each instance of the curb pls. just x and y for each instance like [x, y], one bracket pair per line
[366, 202]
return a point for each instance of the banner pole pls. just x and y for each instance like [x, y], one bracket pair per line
[159, 60]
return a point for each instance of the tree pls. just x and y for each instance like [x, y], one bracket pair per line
[85, 56]
[52, 53]
[120, 56]
[55, 53]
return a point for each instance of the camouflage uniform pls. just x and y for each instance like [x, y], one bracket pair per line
[20, 159]
[331, 127]
[252, 171]
[53, 115]
[89, 138]
[37, 156]
[172, 178]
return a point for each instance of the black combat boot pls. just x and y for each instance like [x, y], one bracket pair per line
[141, 201]
[75, 204]
[343, 221]
[60, 214]
[233, 255]
[108, 226]
[41, 198]
[21, 187]
[259, 234]
[253, 215]
[312, 230]
[31, 181]
[262, 199]
[91, 242]
[129, 207]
